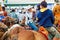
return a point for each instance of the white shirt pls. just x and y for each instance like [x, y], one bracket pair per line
[28, 15]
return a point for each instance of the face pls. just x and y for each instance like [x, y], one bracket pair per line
[30, 10]
[41, 7]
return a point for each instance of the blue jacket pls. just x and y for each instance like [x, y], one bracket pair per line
[1, 17]
[45, 18]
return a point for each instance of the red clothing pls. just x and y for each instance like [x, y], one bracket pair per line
[5, 13]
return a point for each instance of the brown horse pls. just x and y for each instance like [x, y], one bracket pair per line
[3, 29]
[19, 33]
[8, 21]
[56, 11]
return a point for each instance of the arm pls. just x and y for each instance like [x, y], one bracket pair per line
[38, 16]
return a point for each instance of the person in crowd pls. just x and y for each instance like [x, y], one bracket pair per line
[33, 13]
[1, 16]
[29, 14]
[38, 6]
[23, 24]
[21, 15]
[37, 10]
[4, 12]
[30, 20]
[46, 18]
[13, 14]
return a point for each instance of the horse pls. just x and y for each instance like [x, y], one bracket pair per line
[3, 29]
[19, 33]
[56, 12]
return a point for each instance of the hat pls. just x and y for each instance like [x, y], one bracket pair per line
[29, 6]
[44, 4]
[1, 12]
